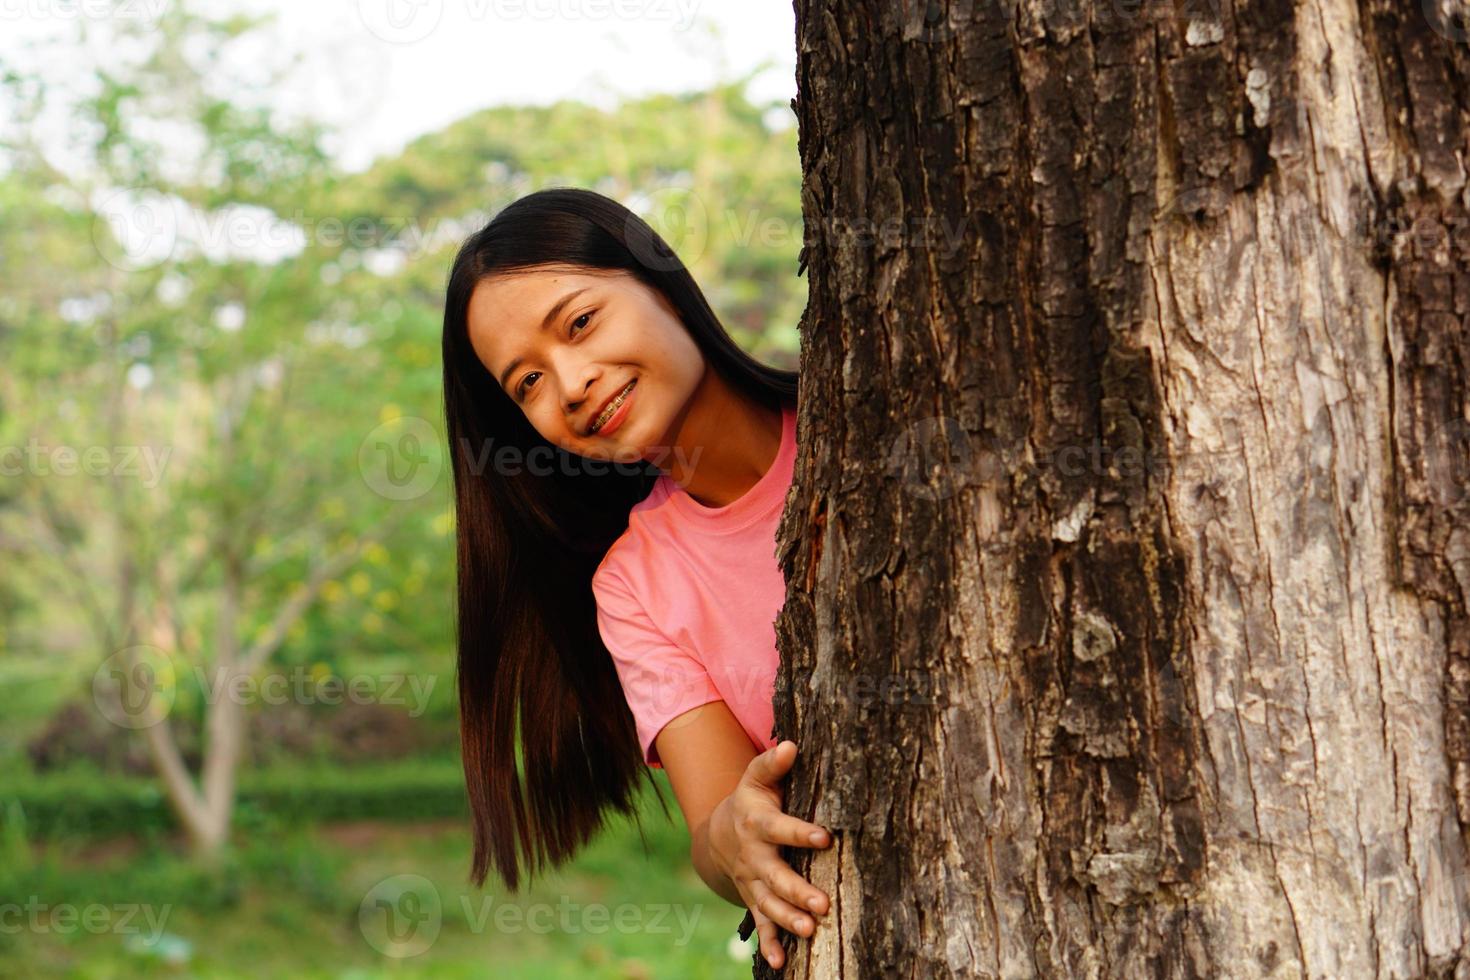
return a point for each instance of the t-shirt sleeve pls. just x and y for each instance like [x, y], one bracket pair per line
[660, 679]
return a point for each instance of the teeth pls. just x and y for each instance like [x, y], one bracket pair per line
[612, 406]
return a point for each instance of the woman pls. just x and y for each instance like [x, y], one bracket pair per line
[619, 470]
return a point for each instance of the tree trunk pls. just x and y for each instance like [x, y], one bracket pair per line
[1128, 556]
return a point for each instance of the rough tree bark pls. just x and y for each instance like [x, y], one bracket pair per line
[1134, 411]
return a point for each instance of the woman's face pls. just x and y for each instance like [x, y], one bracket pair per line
[562, 342]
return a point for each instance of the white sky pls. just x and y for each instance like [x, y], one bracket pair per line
[387, 71]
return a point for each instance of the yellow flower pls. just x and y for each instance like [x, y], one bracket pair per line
[389, 412]
[359, 584]
[332, 590]
[386, 600]
[372, 623]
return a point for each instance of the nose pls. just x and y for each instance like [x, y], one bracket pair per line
[581, 374]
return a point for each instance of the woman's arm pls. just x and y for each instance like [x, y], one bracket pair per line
[735, 838]
[699, 854]
[704, 751]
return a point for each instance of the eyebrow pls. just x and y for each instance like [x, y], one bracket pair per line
[546, 321]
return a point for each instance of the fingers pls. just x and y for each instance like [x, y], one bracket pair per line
[781, 828]
[770, 940]
[795, 889]
[771, 766]
[780, 911]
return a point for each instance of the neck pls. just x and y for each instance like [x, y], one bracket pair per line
[723, 443]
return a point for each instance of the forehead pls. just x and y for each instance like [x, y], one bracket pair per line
[505, 312]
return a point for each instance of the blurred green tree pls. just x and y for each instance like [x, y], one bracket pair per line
[221, 392]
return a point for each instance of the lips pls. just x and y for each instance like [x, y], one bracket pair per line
[592, 428]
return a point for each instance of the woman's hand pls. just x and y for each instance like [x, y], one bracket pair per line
[745, 831]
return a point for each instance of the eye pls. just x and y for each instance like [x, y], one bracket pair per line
[521, 388]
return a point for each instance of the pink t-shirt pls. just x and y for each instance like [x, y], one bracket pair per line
[687, 599]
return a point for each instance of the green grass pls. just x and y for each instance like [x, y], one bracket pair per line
[289, 903]
[82, 802]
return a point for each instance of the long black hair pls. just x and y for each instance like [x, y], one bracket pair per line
[533, 672]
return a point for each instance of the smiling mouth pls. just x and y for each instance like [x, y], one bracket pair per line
[612, 408]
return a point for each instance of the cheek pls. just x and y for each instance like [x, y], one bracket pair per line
[685, 360]
[552, 425]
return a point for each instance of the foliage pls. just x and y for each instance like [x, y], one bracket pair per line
[201, 282]
[82, 802]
